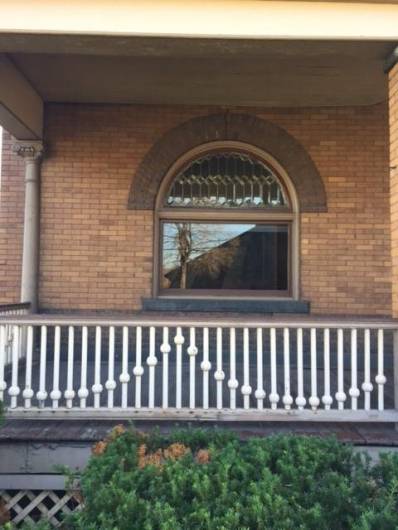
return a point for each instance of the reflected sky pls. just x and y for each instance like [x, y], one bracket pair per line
[204, 237]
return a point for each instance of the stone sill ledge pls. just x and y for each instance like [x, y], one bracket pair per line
[216, 305]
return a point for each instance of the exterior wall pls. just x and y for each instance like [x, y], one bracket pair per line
[393, 115]
[97, 254]
[11, 223]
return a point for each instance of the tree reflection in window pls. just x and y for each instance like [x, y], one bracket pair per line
[224, 256]
[247, 251]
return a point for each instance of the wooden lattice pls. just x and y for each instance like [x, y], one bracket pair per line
[34, 505]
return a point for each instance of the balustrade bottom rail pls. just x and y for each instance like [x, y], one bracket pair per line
[221, 370]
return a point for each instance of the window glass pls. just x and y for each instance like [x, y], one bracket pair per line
[226, 180]
[231, 256]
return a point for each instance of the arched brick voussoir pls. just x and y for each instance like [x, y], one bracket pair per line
[239, 127]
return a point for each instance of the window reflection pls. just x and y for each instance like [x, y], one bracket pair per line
[244, 256]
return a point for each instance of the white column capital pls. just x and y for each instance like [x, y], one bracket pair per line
[29, 150]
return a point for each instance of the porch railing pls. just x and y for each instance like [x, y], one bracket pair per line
[178, 368]
[10, 310]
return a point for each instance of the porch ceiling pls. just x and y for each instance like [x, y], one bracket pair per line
[149, 70]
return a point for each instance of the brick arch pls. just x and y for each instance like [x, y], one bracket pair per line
[244, 128]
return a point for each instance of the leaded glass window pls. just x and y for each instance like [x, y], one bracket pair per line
[225, 227]
[226, 180]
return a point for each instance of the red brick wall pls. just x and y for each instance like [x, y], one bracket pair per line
[96, 254]
[11, 223]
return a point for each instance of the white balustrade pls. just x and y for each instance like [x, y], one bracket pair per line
[42, 393]
[55, 395]
[83, 390]
[219, 374]
[14, 389]
[110, 384]
[354, 390]
[124, 377]
[273, 397]
[7, 342]
[138, 369]
[340, 394]
[367, 386]
[69, 393]
[327, 399]
[165, 349]
[260, 392]
[192, 352]
[97, 386]
[206, 367]
[28, 392]
[314, 400]
[287, 397]
[300, 399]
[152, 362]
[233, 383]
[380, 377]
[179, 341]
[246, 388]
[57, 365]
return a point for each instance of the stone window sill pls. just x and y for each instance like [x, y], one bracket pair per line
[226, 305]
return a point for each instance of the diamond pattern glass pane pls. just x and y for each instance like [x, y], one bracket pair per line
[226, 180]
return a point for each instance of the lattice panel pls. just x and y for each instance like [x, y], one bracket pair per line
[34, 505]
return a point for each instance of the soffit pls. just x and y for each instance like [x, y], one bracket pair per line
[83, 69]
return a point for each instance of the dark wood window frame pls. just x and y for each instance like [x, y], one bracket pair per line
[287, 216]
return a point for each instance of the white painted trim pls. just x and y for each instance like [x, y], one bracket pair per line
[212, 18]
[171, 320]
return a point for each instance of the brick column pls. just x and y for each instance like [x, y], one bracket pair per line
[393, 117]
[31, 152]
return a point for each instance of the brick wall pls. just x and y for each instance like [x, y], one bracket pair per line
[346, 262]
[393, 117]
[11, 223]
[95, 253]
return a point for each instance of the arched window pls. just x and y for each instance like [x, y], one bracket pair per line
[226, 219]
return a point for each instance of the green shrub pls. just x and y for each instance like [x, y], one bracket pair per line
[210, 480]
[42, 525]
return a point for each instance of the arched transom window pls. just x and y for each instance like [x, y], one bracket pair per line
[226, 180]
[225, 219]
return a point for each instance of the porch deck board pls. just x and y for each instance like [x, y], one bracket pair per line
[89, 431]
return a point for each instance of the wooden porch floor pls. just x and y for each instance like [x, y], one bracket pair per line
[90, 431]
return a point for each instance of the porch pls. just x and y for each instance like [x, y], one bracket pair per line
[206, 367]
[112, 200]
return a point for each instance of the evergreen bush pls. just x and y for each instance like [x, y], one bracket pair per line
[210, 480]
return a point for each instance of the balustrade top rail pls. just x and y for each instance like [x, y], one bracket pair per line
[211, 320]
[17, 308]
